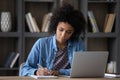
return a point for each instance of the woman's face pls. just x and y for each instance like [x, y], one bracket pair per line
[63, 32]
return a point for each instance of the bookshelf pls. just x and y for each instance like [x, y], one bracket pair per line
[103, 41]
[11, 40]
[38, 9]
[21, 40]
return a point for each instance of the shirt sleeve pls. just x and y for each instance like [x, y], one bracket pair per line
[65, 72]
[30, 65]
[81, 45]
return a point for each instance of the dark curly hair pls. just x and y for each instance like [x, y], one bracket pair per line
[66, 13]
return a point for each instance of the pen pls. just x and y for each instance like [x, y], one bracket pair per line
[39, 66]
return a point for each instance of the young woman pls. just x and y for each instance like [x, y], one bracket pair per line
[54, 53]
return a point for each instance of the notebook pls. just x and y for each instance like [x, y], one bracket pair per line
[89, 64]
[44, 77]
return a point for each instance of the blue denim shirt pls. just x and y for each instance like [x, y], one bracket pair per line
[44, 51]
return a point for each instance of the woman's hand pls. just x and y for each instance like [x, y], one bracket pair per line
[42, 72]
[54, 72]
[45, 71]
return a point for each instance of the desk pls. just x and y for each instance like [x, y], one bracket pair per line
[60, 78]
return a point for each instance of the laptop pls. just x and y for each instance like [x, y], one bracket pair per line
[89, 64]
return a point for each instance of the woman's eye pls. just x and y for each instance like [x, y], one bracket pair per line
[60, 29]
[69, 32]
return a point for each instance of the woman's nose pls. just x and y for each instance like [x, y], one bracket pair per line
[63, 34]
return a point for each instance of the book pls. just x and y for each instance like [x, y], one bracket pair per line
[106, 19]
[32, 24]
[36, 25]
[31, 21]
[46, 22]
[93, 21]
[14, 60]
[28, 23]
[44, 77]
[111, 67]
[9, 59]
[110, 18]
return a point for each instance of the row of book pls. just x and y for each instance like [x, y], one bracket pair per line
[111, 67]
[102, 0]
[108, 25]
[111, 70]
[11, 60]
[32, 23]
[33, 26]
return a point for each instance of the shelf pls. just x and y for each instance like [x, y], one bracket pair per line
[101, 35]
[9, 34]
[9, 68]
[39, 1]
[101, 1]
[41, 34]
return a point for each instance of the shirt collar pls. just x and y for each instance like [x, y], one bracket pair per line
[54, 42]
[69, 43]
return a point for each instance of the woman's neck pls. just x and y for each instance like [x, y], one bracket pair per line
[61, 45]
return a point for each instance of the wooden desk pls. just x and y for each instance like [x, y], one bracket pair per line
[60, 78]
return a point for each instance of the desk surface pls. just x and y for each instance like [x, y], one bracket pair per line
[60, 78]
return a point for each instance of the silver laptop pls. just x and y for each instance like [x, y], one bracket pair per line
[89, 64]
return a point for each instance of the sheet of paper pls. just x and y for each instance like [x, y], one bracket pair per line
[42, 77]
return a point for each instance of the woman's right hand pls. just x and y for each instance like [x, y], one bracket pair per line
[42, 72]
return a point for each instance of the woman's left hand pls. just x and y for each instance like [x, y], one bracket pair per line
[54, 72]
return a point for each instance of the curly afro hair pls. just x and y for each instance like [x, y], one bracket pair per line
[66, 13]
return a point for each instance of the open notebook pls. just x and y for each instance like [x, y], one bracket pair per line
[44, 77]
